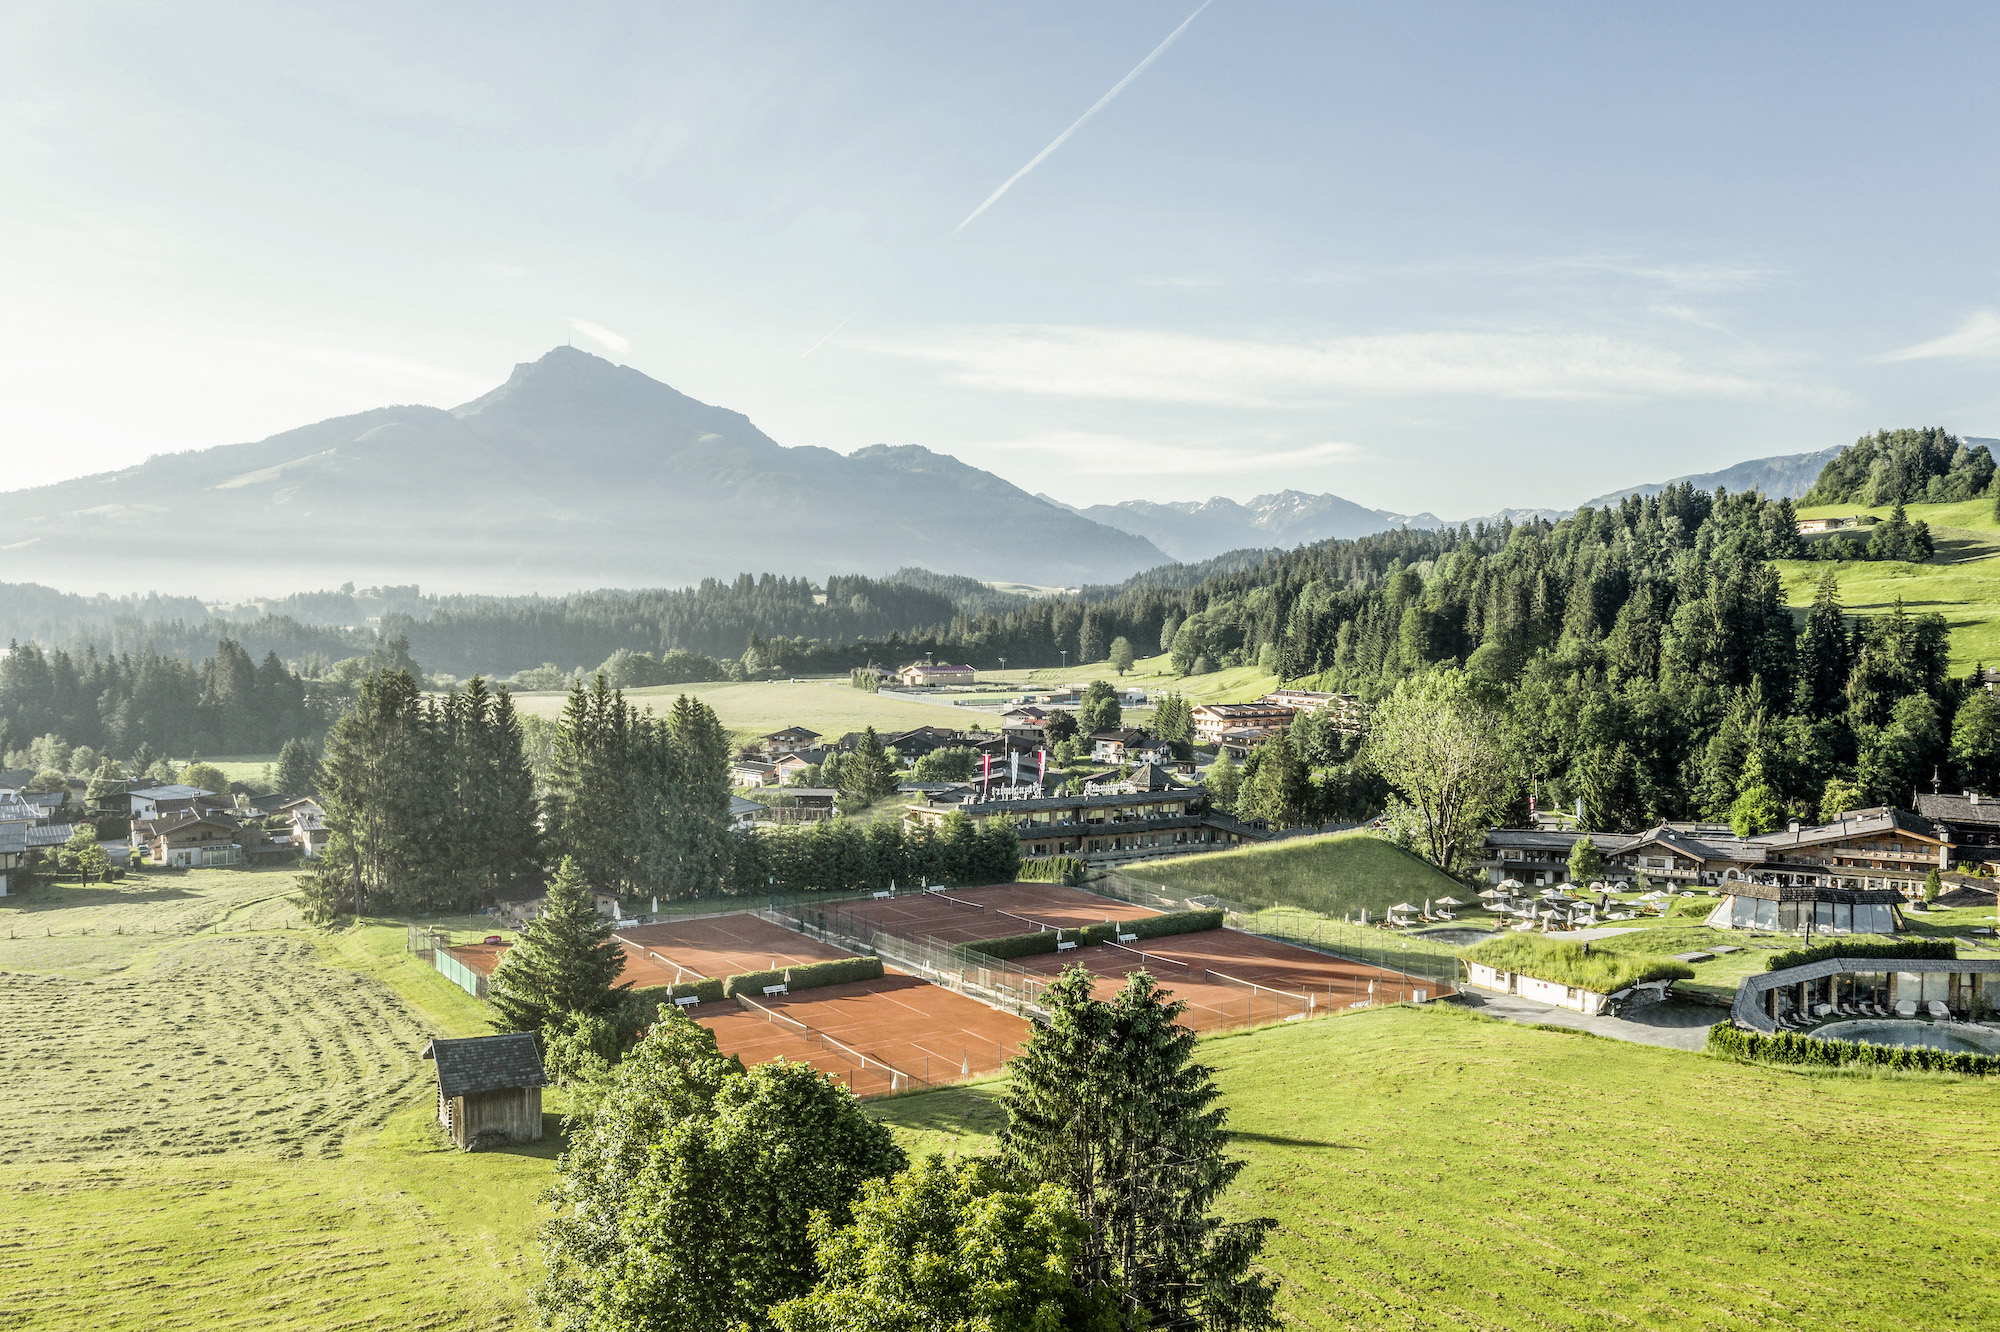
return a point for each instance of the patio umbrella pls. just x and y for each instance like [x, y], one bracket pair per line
[1449, 902]
[1401, 906]
[1427, 906]
[1511, 884]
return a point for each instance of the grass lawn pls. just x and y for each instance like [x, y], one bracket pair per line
[1333, 875]
[751, 709]
[1433, 1170]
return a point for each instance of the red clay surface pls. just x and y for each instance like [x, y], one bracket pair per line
[480, 958]
[719, 946]
[755, 1039]
[934, 1034]
[1230, 979]
[967, 915]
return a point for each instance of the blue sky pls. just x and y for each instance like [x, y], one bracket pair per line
[1428, 257]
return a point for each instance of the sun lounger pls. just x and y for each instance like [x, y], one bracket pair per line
[1906, 1008]
[1937, 1009]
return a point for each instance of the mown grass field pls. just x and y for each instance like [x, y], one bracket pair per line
[830, 707]
[1333, 875]
[1962, 583]
[216, 1120]
[1153, 674]
[1431, 1170]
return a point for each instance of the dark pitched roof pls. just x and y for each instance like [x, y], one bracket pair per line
[476, 1064]
[1975, 810]
[13, 779]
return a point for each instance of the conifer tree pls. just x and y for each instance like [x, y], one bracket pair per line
[565, 961]
[1108, 1102]
[298, 769]
[697, 800]
[868, 774]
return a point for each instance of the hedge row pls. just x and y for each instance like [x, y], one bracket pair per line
[1790, 1047]
[808, 977]
[1054, 869]
[1146, 927]
[1940, 949]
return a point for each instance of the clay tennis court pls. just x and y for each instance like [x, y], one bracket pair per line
[1230, 979]
[755, 1039]
[925, 1030]
[966, 915]
[717, 946]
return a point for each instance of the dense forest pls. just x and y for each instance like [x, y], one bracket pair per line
[119, 705]
[1925, 466]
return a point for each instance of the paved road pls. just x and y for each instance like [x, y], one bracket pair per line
[1675, 1025]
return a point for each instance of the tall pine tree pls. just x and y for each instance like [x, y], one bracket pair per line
[1108, 1102]
[566, 961]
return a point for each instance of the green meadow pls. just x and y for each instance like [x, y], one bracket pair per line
[1961, 582]
[757, 708]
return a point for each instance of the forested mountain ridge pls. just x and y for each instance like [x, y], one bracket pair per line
[574, 473]
[1787, 476]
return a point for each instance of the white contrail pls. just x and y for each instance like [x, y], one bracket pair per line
[1119, 87]
[829, 334]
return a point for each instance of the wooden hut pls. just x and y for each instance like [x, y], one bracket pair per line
[489, 1088]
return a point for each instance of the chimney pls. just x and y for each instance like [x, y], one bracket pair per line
[1794, 827]
[1973, 796]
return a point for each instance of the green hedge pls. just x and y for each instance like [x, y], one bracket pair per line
[1790, 1047]
[1941, 949]
[1173, 922]
[708, 991]
[808, 977]
[1017, 945]
[1066, 870]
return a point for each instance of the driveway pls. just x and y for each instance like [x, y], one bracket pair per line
[1675, 1025]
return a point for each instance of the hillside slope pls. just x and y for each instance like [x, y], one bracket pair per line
[573, 473]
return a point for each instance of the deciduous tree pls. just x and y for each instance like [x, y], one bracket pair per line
[1445, 749]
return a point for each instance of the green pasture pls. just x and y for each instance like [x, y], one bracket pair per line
[1433, 1170]
[1961, 583]
[1155, 675]
[757, 708]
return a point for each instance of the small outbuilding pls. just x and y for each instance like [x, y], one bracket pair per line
[489, 1088]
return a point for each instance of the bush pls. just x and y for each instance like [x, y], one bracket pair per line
[1066, 870]
[1940, 949]
[1017, 945]
[1173, 922]
[808, 977]
[1790, 1047]
[708, 991]
[1564, 963]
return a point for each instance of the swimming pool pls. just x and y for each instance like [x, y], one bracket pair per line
[1456, 936]
[1955, 1037]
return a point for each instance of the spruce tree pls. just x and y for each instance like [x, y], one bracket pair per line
[298, 769]
[697, 799]
[565, 961]
[1108, 1102]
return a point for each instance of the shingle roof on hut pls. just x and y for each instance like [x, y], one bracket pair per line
[474, 1064]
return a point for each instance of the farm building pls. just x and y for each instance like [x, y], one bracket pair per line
[489, 1088]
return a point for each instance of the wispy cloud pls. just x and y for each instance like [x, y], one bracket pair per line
[601, 335]
[1142, 366]
[1095, 107]
[1093, 453]
[1977, 337]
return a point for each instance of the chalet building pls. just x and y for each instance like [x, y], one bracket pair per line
[1808, 526]
[18, 839]
[187, 839]
[1345, 710]
[308, 829]
[1127, 746]
[787, 741]
[13, 781]
[1107, 828]
[1971, 822]
[744, 813]
[489, 1089]
[790, 767]
[925, 675]
[752, 772]
[1851, 874]
[921, 740]
[1212, 719]
[153, 801]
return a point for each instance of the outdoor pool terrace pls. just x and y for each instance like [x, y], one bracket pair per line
[1955, 1037]
[1863, 988]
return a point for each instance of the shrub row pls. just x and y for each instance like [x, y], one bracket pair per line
[808, 977]
[1790, 1047]
[1054, 869]
[1146, 927]
[1941, 949]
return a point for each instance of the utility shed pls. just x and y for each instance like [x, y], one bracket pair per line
[489, 1088]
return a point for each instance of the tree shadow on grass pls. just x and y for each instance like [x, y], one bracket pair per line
[1278, 1140]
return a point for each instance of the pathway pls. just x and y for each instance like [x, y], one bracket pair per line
[1675, 1025]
